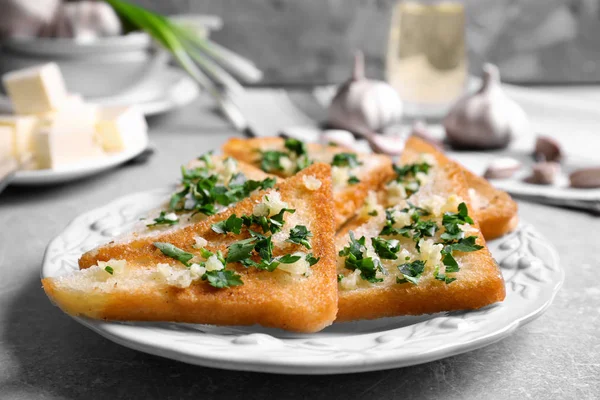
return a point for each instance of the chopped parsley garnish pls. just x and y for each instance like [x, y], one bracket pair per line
[268, 224]
[411, 272]
[222, 279]
[271, 160]
[418, 228]
[201, 190]
[442, 277]
[295, 146]
[410, 170]
[340, 277]
[345, 160]
[354, 253]
[353, 180]
[373, 213]
[296, 154]
[164, 219]
[109, 269]
[232, 224]
[289, 259]
[385, 249]
[311, 259]
[300, 235]
[407, 176]
[170, 250]
[240, 250]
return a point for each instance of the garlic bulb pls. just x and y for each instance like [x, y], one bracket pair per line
[21, 18]
[84, 20]
[363, 104]
[486, 119]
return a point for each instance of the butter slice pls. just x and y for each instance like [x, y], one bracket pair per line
[6, 142]
[36, 90]
[67, 138]
[120, 128]
[22, 128]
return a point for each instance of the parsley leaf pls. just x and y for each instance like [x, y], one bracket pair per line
[465, 245]
[232, 224]
[411, 272]
[311, 259]
[450, 262]
[353, 180]
[271, 160]
[164, 219]
[442, 277]
[109, 269]
[410, 170]
[345, 160]
[240, 250]
[299, 235]
[289, 259]
[295, 146]
[223, 278]
[170, 250]
[385, 249]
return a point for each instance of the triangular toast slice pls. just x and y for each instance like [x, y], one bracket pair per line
[354, 174]
[145, 279]
[421, 252]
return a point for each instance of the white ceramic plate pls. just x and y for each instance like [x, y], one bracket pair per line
[76, 171]
[528, 262]
[166, 90]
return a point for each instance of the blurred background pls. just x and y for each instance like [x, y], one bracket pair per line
[309, 41]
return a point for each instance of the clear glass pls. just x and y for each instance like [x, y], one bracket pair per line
[426, 56]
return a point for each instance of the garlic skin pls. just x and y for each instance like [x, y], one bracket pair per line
[486, 119]
[362, 104]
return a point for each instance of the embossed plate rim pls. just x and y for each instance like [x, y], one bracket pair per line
[343, 348]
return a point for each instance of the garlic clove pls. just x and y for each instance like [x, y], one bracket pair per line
[502, 168]
[547, 149]
[391, 145]
[544, 173]
[486, 119]
[419, 129]
[362, 104]
[338, 137]
[585, 178]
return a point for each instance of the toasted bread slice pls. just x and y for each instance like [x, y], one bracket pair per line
[478, 282]
[493, 208]
[349, 194]
[155, 287]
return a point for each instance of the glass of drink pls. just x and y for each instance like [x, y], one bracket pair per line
[426, 55]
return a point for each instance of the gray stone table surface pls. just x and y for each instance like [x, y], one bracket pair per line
[45, 354]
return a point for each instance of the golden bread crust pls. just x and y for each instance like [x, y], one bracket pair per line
[269, 299]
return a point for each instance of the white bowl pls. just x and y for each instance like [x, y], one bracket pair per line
[97, 68]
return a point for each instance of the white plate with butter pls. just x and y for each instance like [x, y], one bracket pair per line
[166, 90]
[78, 170]
[529, 264]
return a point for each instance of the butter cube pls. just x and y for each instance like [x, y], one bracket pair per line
[6, 142]
[120, 128]
[72, 100]
[22, 128]
[67, 138]
[36, 90]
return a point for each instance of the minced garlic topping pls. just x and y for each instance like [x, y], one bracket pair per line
[311, 182]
